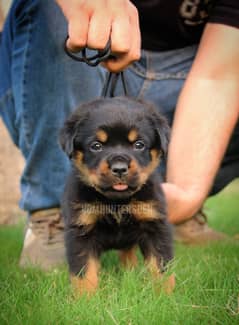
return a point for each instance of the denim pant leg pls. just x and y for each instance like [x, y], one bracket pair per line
[39, 87]
[159, 77]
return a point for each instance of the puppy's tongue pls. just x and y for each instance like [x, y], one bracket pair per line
[120, 187]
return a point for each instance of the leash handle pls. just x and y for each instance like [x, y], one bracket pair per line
[93, 61]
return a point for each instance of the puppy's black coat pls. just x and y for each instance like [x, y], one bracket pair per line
[113, 198]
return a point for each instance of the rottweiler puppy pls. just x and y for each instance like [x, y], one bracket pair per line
[113, 198]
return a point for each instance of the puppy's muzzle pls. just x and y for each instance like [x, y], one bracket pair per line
[119, 165]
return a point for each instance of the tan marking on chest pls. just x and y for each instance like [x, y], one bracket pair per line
[144, 211]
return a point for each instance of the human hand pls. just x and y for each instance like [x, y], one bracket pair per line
[92, 23]
[181, 204]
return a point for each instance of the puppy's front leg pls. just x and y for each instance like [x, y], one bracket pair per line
[156, 247]
[83, 261]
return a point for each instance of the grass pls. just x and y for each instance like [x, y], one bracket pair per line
[207, 290]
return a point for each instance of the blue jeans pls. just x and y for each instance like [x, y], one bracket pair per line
[40, 86]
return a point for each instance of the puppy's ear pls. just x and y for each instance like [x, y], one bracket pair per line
[162, 129]
[70, 133]
[67, 136]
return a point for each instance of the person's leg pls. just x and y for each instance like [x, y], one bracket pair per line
[39, 87]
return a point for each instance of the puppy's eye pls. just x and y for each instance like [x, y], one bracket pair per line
[139, 145]
[96, 146]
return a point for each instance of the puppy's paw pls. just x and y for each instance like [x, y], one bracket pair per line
[128, 258]
[83, 286]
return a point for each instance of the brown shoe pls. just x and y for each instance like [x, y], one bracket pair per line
[196, 231]
[44, 240]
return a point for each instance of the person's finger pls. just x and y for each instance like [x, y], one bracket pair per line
[99, 30]
[136, 35]
[122, 60]
[78, 32]
[120, 35]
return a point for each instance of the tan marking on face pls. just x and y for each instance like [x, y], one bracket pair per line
[144, 211]
[134, 167]
[89, 282]
[128, 258]
[147, 171]
[102, 136]
[78, 161]
[78, 158]
[133, 135]
[88, 176]
[104, 167]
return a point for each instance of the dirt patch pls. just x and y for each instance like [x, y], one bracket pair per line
[11, 166]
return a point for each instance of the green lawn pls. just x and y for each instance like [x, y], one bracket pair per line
[207, 290]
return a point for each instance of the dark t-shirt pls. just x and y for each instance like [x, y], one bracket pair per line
[171, 24]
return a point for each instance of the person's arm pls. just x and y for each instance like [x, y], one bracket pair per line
[206, 113]
[1, 17]
[92, 23]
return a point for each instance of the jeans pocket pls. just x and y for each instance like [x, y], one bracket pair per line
[173, 64]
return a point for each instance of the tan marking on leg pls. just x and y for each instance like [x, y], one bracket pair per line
[167, 283]
[89, 283]
[152, 265]
[102, 136]
[133, 135]
[128, 257]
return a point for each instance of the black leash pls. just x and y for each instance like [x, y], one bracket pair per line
[111, 82]
[93, 61]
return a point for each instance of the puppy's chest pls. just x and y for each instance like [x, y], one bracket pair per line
[111, 234]
[117, 214]
[127, 214]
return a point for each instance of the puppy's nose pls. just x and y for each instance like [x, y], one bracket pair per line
[119, 168]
